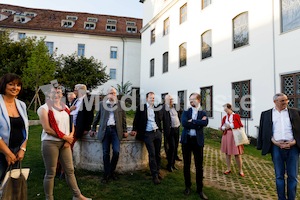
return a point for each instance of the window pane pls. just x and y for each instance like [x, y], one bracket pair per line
[152, 36]
[183, 13]
[291, 87]
[21, 35]
[50, 47]
[206, 100]
[81, 48]
[242, 98]
[182, 55]
[240, 30]
[165, 62]
[112, 73]
[113, 52]
[290, 14]
[166, 26]
[206, 44]
[152, 68]
[205, 3]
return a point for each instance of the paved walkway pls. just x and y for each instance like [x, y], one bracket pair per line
[259, 180]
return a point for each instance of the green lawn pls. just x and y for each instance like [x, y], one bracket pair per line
[133, 185]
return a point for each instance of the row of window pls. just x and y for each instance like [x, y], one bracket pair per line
[290, 20]
[290, 85]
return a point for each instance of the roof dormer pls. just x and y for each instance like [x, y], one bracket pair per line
[89, 25]
[21, 18]
[30, 14]
[8, 11]
[67, 23]
[92, 19]
[73, 18]
[3, 17]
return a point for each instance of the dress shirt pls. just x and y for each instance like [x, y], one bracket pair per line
[194, 117]
[151, 124]
[74, 113]
[282, 127]
[111, 119]
[175, 123]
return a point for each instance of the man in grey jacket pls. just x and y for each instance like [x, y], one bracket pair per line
[112, 128]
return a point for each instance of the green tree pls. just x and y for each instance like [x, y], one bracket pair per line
[73, 70]
[40, 67]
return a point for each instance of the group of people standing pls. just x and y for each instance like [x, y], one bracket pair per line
[279, 134]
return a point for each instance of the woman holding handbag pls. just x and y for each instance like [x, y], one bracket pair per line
[229, 122]
[57, 137]
[13, 122]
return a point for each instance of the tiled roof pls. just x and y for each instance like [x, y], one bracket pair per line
[51, 20]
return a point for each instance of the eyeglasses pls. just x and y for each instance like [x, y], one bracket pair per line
[283, 100]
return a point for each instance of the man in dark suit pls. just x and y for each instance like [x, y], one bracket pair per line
[82, 111]
[112, 128]
[192, 138]
[147, 127]
[279, 134]
[171, 124]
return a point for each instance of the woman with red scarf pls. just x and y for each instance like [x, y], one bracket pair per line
[56, 138]
[229, 122]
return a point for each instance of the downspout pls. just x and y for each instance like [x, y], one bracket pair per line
[274, 52]
[122, 82]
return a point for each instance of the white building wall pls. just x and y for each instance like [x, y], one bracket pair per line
[254, 62]
[99, 48]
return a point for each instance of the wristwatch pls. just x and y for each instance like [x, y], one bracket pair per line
[24, 149]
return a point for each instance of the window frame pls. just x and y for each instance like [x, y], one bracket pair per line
[182, 61]
[50, 46]
[113, 54]
[183, 14]
[234, 35]
[152, 66]
[207, 3]
[203, 90]
[202, 47]
[239, 110]
[282, 24]
[21, 36]
[80, 50]
[152, 36]
[295, 97]
[165, 63]
[166, 30]
[115, 73]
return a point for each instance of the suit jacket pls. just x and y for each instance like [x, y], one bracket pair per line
[140, 121]
[102, 116]
[265, 134]
[5, 121]
[84, 117]
[166, 119]
[197, 124]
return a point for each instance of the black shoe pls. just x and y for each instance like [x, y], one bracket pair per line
[104, 180]
[187, 191]
[170, 169]
[114, 177]
[178, 159]
[174, 168]
[155, 180]
[203, 196]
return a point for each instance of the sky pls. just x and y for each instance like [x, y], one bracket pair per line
[126, 8]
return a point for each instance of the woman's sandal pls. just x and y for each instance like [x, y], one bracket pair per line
[227, 172]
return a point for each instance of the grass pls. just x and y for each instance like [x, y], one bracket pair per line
[132, 185]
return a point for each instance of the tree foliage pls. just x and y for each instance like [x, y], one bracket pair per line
[74, 69]
[123, 89]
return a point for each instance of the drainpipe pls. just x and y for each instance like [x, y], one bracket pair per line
[122, 82]
[274, 52]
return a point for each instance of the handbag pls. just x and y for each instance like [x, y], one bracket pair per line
[14, 185]
[240, 136]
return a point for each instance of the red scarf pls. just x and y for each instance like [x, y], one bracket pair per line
[51, 117]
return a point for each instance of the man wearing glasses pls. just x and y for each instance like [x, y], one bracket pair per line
[192, 138]
[279, 134]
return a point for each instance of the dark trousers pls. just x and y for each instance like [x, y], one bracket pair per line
[153, 145]
[187, 149]
[110, 138]
[172, 140]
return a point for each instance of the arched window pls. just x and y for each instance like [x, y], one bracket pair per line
[206, 44]
[165, 62]
[182, 55]
[240, 30]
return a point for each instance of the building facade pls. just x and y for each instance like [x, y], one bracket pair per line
[113, 40]
[239, 52]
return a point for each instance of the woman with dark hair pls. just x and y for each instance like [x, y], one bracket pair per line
[229, 122]
[13, 122]
[57, 137]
